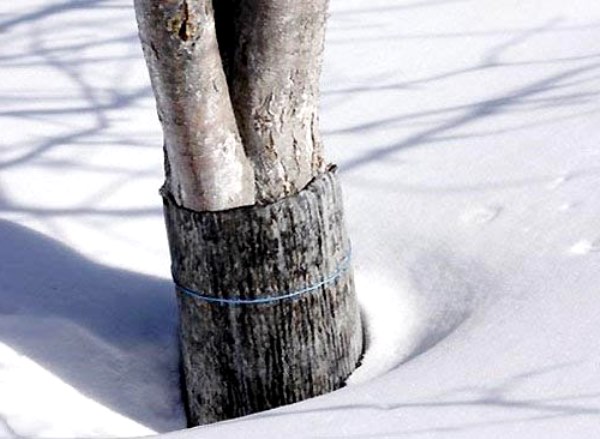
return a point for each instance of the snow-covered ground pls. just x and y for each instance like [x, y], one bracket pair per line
[468, 137]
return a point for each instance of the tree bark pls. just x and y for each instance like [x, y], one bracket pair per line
[272, 52]
[206, 167]
[268, 312]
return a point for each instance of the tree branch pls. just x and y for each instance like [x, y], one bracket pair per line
[206, 165]
[272, 52]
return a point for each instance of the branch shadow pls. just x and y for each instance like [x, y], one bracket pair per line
[568, 84]
[513, 409]
[111, 334]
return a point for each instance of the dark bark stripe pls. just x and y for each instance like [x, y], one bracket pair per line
[243, 359]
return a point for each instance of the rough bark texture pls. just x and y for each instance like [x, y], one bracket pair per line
[243, 358]
[206, 165]
[272, 52]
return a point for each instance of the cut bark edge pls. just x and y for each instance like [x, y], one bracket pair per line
[169, 199]
[298, 333]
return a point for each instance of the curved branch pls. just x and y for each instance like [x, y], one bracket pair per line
[205, 162]
[272, 51]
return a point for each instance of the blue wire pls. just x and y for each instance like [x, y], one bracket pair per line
[341, 268]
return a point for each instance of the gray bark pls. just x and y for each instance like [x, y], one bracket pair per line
[243, 358]
[205, 162]
[272, 51]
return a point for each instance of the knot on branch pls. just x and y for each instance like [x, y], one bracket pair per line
[183, 23]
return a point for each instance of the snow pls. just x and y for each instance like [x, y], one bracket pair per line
[466, 134]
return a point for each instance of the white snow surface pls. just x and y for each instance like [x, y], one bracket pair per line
[468, 137]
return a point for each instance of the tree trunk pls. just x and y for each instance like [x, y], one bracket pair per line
[259, 251]
[268, 314]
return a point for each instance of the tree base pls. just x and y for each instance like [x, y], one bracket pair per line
[266, 295]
